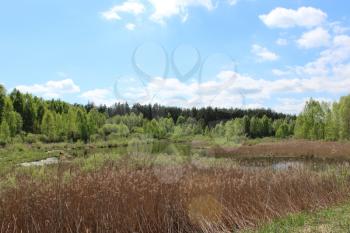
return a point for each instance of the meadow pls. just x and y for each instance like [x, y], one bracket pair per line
[164, 186]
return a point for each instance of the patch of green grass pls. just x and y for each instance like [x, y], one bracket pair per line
[332, 220]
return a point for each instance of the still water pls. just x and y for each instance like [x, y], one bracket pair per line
[186, 150]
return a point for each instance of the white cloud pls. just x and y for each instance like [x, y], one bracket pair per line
[294, 106]
[131, 6]
[279, 72]
[337, 54]
[263, 54]
[99, 96]
[315, 38]
[282, 42]
[167, 9]
[229, 89]
[51, 89]
[161, 10]
[232, 2]
[338, 29]
[130, 26]
[287, 18]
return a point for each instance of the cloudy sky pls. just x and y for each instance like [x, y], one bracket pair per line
[226, 53]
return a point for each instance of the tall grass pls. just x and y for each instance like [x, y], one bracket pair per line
[123, 198]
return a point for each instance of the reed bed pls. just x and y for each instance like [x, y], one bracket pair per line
[127, 199]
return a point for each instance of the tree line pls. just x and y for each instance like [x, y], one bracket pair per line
[24, 117]
[324, 121]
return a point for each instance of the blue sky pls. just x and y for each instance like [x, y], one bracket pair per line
[243, 53]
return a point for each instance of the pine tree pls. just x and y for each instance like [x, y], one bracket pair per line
[18, 102]
[29, 115]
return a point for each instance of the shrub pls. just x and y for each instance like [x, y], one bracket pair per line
[31, 138]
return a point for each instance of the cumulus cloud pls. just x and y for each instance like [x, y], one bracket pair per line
[134, 7]
[263, 53]
[167, 9]
[160, 10]
[99, 96]
[231, 89]
[130, 26]
[293, 105]
[279, 72]
[51, 89]
[337, 54]
[232, 2]
[338, 29]
[287, 18]
[282, 42]
[315, 38]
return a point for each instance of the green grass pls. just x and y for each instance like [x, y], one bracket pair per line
[332, 220]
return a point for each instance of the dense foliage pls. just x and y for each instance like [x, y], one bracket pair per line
[27, 118]
[321, 120]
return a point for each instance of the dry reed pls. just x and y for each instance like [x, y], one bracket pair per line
[124, 199]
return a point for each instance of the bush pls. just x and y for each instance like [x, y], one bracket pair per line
[31, 138]
[17, 139]
[109, 128]
[120, 130]
[96, 138]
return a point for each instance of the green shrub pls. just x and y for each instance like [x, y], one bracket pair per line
[31, 138]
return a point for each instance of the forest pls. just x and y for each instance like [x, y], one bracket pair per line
[27, 118]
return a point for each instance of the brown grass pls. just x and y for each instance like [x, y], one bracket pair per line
[289, 148]
[125, 200]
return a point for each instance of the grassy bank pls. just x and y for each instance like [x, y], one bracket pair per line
[334, 220]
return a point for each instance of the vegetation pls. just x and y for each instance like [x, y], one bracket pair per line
[335, 220]
[321, 120]
[134, 190]
[169, 197]
[26, 118]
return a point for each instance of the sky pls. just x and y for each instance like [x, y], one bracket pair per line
[186, 53]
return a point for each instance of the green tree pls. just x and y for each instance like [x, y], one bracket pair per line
[95, 121]
[266, 126]
[71, 125]
[48, 125]
[344, 113]
[82, 124]
[2, 101]
[332, 124]
[180, 120]
[234, 129]
[12, 118]
[246, 125]
[255, 127]
[311, 122]
[18, 101]
[283, 131]
[4, 132]
[29, 116]
[15, 122]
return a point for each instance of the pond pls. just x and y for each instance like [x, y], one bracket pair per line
[186, 150]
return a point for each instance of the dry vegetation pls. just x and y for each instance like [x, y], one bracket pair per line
[124, 198]
[288, 148]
